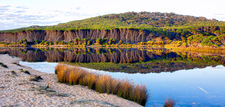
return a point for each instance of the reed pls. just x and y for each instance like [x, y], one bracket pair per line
[101, 83]
[139, 94]
[126, 89]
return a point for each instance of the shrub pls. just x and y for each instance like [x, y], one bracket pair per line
[211, 41]
[195, 39]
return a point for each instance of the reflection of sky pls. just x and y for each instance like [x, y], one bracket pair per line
[188, 87]
[48, 67]
[194, 87]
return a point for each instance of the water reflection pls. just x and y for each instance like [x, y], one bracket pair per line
[194, 87]
[195, 82]
[120, 60]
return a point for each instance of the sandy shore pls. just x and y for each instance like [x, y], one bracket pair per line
[18, 89]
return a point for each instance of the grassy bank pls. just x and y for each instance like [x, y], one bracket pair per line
[102, 83]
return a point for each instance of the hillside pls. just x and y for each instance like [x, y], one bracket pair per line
[141, 20]
[142, 28]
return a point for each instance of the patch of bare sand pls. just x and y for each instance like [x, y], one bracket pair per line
[18, 88]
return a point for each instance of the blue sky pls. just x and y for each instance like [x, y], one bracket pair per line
[23, 13]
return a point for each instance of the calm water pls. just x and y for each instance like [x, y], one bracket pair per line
[192, 79]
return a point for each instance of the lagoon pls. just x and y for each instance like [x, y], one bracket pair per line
[192, 79]
[195, 87]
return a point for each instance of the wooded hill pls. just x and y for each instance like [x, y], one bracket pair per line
[131, 27]
[141, 20]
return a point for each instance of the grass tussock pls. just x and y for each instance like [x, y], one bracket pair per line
[169, 103]
[102, 83]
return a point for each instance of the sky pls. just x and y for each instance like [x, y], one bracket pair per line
[24, 13]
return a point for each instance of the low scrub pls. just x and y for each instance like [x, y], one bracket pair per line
[101, 83]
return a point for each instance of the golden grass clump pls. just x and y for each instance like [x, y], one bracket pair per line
[101, 83]
[126, 89]
[139, 94]
[115, 86]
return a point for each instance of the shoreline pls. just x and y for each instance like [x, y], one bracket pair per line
[18, 89]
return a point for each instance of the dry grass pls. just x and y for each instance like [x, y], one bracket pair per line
[102, 83]
[169, 102]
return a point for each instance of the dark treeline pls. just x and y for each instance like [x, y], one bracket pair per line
[120, 60]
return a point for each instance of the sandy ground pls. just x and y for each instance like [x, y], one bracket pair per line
[18, 89]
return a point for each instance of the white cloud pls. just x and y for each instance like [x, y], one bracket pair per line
[12, 16]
